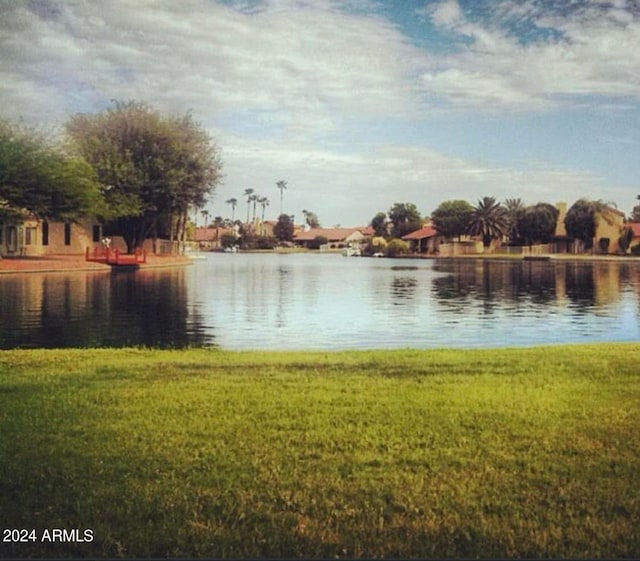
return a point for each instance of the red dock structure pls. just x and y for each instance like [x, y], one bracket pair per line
[115, 258]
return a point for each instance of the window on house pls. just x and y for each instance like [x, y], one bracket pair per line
[96, 233]
[30, 233]
[45, 233]
[67, 233]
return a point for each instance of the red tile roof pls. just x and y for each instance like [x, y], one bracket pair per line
[635, 226]
[332, 234]
[421, 234]
[210, 234]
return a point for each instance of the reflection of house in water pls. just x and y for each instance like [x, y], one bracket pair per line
[606, 283]
[402, 289]
[583, 284]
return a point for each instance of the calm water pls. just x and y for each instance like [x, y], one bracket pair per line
[302, 301]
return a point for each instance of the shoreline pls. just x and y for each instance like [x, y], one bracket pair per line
[76, 262]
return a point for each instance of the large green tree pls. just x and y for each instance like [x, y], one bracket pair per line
[379, 225]
[537, 224]
[451, 218]
[582, 218]
[488, 219]
[311, 219]
[405, 218]
[152, 168]
[283, 230]
[41, 178]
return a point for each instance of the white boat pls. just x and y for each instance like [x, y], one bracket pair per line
[351, 252]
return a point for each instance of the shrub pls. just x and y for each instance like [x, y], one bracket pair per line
[635, 250]
[397, 247]
[265, 242]
[318, 241]
[228, 240]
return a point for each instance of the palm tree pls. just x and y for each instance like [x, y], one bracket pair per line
[254, 198]
[205, 215]
[488, 219]
[282, 185]
[264, 203]
[248, 193]
[514, 210]
[233, 202]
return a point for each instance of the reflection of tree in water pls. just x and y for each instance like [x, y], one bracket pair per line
[596, 285]
[403, 289]
[97, 310]
[155, 306]
[580, 285]
[534, 281]
[492, 283]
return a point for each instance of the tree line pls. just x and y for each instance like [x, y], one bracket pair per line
[138, 171]
[491, 220]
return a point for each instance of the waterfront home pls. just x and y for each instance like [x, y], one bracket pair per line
[32, 237]
[609, 226]
[209, 238]
[635, 228]
[425, 240]
[337, 238]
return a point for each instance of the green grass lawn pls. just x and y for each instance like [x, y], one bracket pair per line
[205, 453]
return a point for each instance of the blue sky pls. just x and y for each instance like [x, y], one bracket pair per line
[357, 104]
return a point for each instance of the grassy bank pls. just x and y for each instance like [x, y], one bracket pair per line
[202, 453]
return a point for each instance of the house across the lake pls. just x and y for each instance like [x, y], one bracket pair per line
[610, 225]
[425, 240]
[336, 237]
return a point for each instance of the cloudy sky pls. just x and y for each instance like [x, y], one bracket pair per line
[357, 104]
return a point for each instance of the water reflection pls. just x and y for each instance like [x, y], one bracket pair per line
[403, 289]
[326, 302]
[584, 286]
[148, 308]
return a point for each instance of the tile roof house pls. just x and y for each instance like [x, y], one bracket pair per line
[209, 238]
[635, 228]
[337, 237]
[425, 240]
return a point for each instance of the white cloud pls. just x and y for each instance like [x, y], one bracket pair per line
[277, 80]
[593, 51]
[303, 61]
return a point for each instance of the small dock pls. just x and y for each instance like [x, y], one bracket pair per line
[537, 257]
[115, 258]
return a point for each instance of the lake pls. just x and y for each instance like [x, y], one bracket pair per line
[320, 301]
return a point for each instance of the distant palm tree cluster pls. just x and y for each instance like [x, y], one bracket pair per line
[254, 201]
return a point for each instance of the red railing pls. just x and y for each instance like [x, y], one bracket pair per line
[115, 257]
